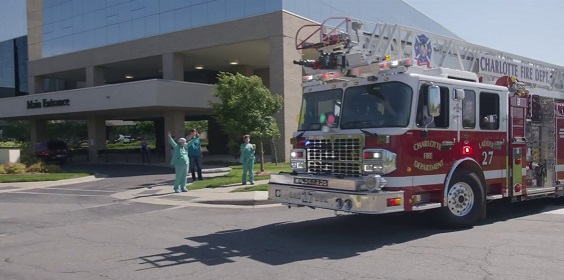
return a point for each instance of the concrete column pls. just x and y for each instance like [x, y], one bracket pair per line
[160, 133]
[36, 85]
[38, 131]
[173, 122]
[285, 79]
[217, 140]
[94, 76]
[264, 74]
[96, 137]
[173, 66]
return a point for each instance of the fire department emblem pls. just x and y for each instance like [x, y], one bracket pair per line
[423, 50]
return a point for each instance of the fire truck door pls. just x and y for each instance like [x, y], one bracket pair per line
[516, 145]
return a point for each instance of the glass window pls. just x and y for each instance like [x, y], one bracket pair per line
[217, 11]
[99, 18]
[48, 15]
[152, 25]
[181, 18]
[166, 5]
[423, 118]
[166, 22]
[124, 11]
[138, 28]
[89, 21]
[319, 107]
[111, 3]
[489, 111]
[236, 10]
[377, 105]
[78, 7]
[199, 15]
[112, 34]
[77, 24]
[254, 7]
[125, 30]
[469, 109]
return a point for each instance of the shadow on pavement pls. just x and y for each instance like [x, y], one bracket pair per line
[331, 238]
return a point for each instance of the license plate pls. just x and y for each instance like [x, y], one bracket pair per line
[313, 182]
[308, 196]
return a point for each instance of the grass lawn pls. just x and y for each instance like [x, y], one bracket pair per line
[13, 178]
[236, 173]
[252, 188]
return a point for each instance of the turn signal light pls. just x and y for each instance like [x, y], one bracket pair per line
[393, 201]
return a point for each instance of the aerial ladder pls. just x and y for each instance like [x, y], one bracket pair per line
[356, 48]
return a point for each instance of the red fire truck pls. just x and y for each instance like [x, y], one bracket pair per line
[399, 119]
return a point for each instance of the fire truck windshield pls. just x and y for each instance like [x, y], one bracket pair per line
[377, 105]
[321, 108]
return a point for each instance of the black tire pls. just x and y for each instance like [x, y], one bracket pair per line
[465, 201]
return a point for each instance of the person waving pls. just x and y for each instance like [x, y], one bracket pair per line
[180, 161]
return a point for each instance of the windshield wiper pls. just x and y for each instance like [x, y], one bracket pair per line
[369, 133]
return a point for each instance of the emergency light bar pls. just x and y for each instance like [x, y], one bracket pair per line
[396, 63]
[321, 77]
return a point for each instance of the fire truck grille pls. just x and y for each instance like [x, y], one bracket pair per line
[335, 156]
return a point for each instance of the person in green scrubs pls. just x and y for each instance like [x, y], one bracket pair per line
[180, 161]
[248, 160]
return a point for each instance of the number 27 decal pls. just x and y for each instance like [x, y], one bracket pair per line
[488, 156]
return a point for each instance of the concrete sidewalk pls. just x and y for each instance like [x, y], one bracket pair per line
[207, 197]
[163, 193]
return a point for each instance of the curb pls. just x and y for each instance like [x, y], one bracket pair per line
[46, 184]
[205, 170]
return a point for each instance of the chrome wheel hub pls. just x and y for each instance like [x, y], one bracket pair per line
[460, 199]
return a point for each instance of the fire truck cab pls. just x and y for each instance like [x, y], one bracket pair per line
[378, 134]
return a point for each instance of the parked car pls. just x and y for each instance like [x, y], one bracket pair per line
[52, 151]
[123, 139]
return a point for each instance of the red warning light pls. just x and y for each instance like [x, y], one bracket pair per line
[466, 150]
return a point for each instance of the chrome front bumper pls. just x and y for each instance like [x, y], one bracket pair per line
[338, 194]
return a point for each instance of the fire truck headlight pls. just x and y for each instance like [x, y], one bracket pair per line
[379, 161]
[375, 182]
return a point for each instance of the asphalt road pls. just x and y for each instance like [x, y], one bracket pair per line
[80, 232]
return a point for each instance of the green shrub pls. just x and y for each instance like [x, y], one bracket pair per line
[2, 169]
[14, 168]
[38, 167]
[52, 168]
[10, 144]
[26, 154]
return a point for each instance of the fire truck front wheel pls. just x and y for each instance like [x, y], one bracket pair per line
[465, 199]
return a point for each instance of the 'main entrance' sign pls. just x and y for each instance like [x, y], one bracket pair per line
[45, 103]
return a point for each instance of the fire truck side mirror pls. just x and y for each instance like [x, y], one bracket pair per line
[434, 101]
[459, 94]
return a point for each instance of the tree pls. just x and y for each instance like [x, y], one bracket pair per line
[18, 130]
[199, 125]
[246, 107]
[145, 129]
